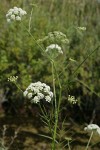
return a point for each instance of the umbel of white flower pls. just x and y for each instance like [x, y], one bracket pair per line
[38, 91]
[55, 36]
[93, 127]
[54, 47]
[72, 99]
[13, 78]
[15, 14]
[82, 28]
[53, 50]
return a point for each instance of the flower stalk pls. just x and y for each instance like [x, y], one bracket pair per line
[55, 107]
[89, 141]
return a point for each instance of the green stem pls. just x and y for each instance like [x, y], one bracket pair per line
[29, 30]
[35, 40]
[18, 86]
[60, 92]
[69, 145]
[30, 20]
[79, 66]
[74, 73]
[55, 108]
[89, 141]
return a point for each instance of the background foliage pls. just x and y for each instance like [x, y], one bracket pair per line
[20, 55]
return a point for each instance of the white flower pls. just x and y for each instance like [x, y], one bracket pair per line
[8, 20]
[29, 95]
[13, 17]
[38, 91]
[19, 9]
[54, 46]
[18, 18]
[93, 127]
[22, 12]
[9, 14]
[40, 95]
[81, 28]
[57, 36]
[48, 87]
[25, 93]
[15, 8]
[43, 84]
[10, 10]
[15, 14]
[35, 99]
[13, 78]
[51, 94]
[32, 88]
[46, 90]
[72, 100]
[48, 98]
[25, 12]
[37, 83]
[41, 88]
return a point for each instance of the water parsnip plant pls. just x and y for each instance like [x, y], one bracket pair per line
[41, 93]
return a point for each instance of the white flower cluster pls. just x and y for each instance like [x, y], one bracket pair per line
[54, 47]
[82, 28]
[72, 99]
[38, 91]
[93, 127]
[15, 14]
[58, 36]
[13, 78]
[55, 36]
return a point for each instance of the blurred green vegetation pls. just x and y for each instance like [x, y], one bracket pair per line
[21, 56]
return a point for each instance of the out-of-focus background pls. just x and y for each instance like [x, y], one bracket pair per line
[20, 56]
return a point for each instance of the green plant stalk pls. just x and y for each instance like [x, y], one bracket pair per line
[18, 86]
[89, 141]
[29, 29]
[29, 32]
[79, 66]
[60, 87]
[55, 108]
[41, 48]
[35, 40]
[74, 73]
[69, 145]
